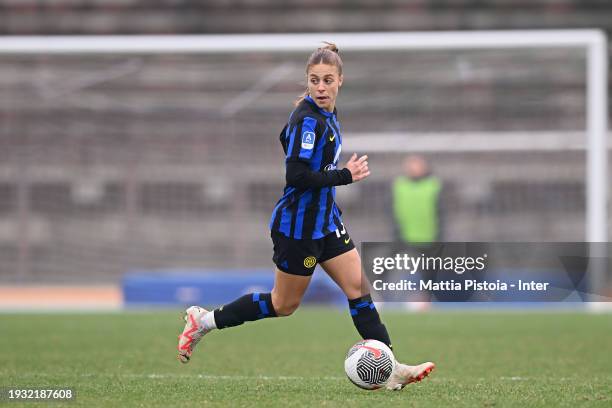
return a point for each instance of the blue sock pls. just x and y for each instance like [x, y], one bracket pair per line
[247, 308]
[367, 321]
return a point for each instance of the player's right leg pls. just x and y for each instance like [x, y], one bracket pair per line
[282, 301]
[192, 333]
[295, 261]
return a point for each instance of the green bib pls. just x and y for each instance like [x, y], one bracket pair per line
[415, 207]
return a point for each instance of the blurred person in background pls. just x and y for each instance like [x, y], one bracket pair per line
[417, 220]
[417, 204]
[306, 225]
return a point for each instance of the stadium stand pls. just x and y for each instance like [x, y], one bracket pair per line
[132, 148]
[254, 16]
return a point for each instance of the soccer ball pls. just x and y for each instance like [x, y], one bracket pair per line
[369, 364]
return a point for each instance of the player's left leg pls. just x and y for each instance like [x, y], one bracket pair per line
[345, 270]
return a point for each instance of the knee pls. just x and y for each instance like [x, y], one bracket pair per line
[354, 291]
[284, 307]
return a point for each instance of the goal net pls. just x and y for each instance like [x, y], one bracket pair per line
[123, 153]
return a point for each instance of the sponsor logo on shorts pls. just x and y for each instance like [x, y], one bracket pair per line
[310, 262]
[346, 241]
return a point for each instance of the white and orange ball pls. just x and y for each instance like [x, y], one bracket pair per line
[369, 364]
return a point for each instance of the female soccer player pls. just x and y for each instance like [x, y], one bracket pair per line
[306, 225]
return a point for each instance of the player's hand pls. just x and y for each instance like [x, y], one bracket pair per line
[358, 167]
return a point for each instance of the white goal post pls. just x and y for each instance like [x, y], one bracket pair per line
[593, 41]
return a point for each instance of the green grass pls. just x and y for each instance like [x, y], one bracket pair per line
[483, 360]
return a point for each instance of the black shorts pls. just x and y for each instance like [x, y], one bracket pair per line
[300, 256]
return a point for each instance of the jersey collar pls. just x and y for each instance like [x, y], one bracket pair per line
[322, 111]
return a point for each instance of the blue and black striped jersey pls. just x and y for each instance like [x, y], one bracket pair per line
[312, 136]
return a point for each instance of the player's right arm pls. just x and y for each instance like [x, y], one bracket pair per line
[301, 139]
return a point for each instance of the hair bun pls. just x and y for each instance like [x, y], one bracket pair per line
[330, 46]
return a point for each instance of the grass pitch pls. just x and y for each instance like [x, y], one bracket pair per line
[483, 360]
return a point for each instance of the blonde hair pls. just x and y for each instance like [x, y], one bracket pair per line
[328, 54]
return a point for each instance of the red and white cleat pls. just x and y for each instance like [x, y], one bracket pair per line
[403, 375]
[192, 333]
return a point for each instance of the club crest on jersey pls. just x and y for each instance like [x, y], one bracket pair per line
[308, 139]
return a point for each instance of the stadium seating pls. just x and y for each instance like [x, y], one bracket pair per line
[232, 16]
[129, 149]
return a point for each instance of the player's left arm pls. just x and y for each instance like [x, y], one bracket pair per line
[304, 136]
[301, 176]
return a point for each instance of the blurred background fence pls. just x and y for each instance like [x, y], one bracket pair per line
[121, 162]
[258, 16]
[144, 161]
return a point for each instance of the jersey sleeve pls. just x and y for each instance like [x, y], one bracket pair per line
[299, 175]
[301, 137]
